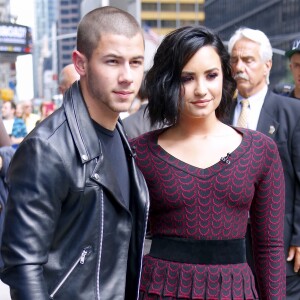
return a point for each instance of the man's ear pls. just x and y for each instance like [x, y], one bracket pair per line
[79, 61]
[268, 66]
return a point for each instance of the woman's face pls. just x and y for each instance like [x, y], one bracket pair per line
[202, 83]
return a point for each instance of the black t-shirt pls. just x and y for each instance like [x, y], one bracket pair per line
[113, 150]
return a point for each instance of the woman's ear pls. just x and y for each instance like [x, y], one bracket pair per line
[79, 61]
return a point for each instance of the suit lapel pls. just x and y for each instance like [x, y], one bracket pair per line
[266, 122]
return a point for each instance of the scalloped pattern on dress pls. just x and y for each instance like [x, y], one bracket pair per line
[214, 203]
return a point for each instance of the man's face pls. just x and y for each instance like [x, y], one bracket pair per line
[27, 106]
[295, 68]
[248, 68]
[7, 111]
[114, 73]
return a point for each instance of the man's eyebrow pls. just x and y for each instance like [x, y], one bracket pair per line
[139, 57]
[121, 57]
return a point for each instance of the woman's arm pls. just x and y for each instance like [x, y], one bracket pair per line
[267, 223]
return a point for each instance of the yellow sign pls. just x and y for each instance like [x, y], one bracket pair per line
[7, 94]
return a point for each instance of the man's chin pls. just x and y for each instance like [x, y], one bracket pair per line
[243, 89]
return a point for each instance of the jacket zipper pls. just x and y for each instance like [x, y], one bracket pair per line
[145, 231]
[100, 245]
[81, 260]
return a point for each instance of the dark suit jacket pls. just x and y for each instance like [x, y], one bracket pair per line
[138, 123]
[280, 119]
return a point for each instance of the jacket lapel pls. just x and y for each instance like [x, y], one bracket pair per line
[81, 125]
[87, 142]
[266, 122]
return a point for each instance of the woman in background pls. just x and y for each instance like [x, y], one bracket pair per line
[205, 178]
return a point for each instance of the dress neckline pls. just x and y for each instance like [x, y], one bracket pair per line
[223, 163]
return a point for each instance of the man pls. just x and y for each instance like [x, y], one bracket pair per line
[277, 117]
[29, 117]
[67, 76]
[15, 127]
[77, 204]
[294, 56]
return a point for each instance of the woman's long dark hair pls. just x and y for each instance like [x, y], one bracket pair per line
[163, 80]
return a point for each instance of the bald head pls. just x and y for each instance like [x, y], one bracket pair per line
[67, 76]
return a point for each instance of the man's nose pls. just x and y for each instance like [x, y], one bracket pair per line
[239, 66]
[126, 74]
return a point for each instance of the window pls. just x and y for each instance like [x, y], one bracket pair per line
[168, 23]
[149, 7]
[187, 7]
[168, 7]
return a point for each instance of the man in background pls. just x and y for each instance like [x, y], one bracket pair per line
[294, 56]
[258, 108]
[29, 116]
[67, 76]
[15, 127]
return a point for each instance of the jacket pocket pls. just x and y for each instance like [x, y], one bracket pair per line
[79, 261]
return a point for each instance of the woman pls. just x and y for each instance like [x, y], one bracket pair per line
[205, 178]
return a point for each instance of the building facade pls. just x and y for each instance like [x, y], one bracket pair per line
[165, 15]
[43, 64]
[278, 19]
[69, 16]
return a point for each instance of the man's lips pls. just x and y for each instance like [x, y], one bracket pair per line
[123, 92]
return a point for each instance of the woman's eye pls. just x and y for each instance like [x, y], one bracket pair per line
[186, 79]
[212, 75]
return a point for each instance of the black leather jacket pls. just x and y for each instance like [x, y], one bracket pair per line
[55, 245]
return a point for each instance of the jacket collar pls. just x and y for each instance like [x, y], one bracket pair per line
[82, 128]
[81, 124]
[267, 122]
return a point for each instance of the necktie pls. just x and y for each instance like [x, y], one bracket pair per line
[242, 121]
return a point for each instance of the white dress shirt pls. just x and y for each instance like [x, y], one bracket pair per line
[255, 104]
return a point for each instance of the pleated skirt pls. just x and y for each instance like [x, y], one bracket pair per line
[162, 279]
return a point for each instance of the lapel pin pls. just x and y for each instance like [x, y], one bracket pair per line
[272, 129]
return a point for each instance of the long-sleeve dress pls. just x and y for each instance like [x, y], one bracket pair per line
[214, 204]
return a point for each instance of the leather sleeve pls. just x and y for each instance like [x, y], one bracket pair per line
[6, 154]
[37, 185]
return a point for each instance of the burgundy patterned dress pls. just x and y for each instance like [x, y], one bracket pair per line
[213, 204]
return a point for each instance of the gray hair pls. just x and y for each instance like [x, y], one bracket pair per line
[256, 36]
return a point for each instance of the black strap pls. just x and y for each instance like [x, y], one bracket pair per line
[212, 252]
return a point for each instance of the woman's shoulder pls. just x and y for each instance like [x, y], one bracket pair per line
[258, 139]
[146, 137]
